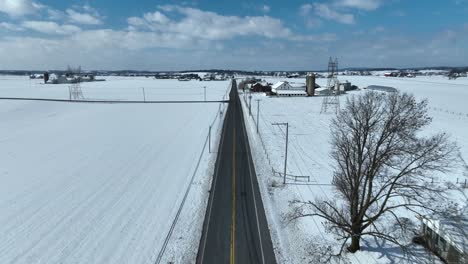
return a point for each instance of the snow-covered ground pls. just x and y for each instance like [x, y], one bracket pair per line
[303, 240]
[116, 88]
[102, 183]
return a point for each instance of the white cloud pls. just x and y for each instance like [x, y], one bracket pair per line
[201, 24]
[19, 7]
[83, 18]
[156, 17]
[360, 4]
[310, 20]
[188, 31]
[10, 26]
[119, 49]
[136, 21]
[54, 14]
[305, 9]
[265, 8]
[327, 37]
[149, 21]
[326, 12]
[49, 27]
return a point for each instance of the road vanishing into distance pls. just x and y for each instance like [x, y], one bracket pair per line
[235, 229]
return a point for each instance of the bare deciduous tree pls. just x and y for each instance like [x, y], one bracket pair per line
[383, 165]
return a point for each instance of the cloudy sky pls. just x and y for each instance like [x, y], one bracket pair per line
[248, 35]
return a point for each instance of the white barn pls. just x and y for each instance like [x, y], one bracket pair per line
[286, 89]
[281, 86]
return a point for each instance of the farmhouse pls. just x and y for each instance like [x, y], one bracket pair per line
[260, 87]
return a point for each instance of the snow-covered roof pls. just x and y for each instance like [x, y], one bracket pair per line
[297, 85]
[321, 89]
[278, 84]
[261, 83]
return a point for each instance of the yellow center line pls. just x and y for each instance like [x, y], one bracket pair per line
[233, 209]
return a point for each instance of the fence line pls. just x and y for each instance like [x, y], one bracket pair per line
[460, 114]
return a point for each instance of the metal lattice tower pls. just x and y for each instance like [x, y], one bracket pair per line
[331, 98]
[75, 91]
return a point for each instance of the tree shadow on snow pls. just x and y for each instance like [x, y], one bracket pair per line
[394, 254]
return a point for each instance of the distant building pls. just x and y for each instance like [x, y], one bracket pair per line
[379, 88]
[322, 91]
[281, 86]
[69, 78]
[346, 86]
[293, 75]
[447, 236]
[290, 93]
[36, 76]
[286, 89]
[260, 87]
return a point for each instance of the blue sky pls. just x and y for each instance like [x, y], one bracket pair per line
[249, 35]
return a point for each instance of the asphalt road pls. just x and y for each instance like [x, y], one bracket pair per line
[235, 229]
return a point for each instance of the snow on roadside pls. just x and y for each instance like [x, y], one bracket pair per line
[305, 239]
[183, 245]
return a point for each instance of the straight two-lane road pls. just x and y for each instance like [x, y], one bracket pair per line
[235, 229]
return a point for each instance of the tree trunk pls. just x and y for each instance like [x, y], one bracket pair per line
[355, 246]
[356, 238]
[356, 233]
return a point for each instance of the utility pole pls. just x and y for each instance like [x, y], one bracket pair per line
[286, 151]
[204, 87]
[250, 105]
[245, 96]
[209, 140]
[258, 112]
[144, 94]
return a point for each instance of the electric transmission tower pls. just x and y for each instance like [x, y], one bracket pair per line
[74, 89]
[331, 98]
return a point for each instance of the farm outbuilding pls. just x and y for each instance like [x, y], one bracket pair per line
[322, 91]
[380, 88]
[345, 86]
[290, 93]
[260, 87]
[447, 237]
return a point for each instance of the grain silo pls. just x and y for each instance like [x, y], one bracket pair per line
[310, 84]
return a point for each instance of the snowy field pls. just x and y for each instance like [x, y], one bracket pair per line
[302, 241]
[102, 183]
[116, 88]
